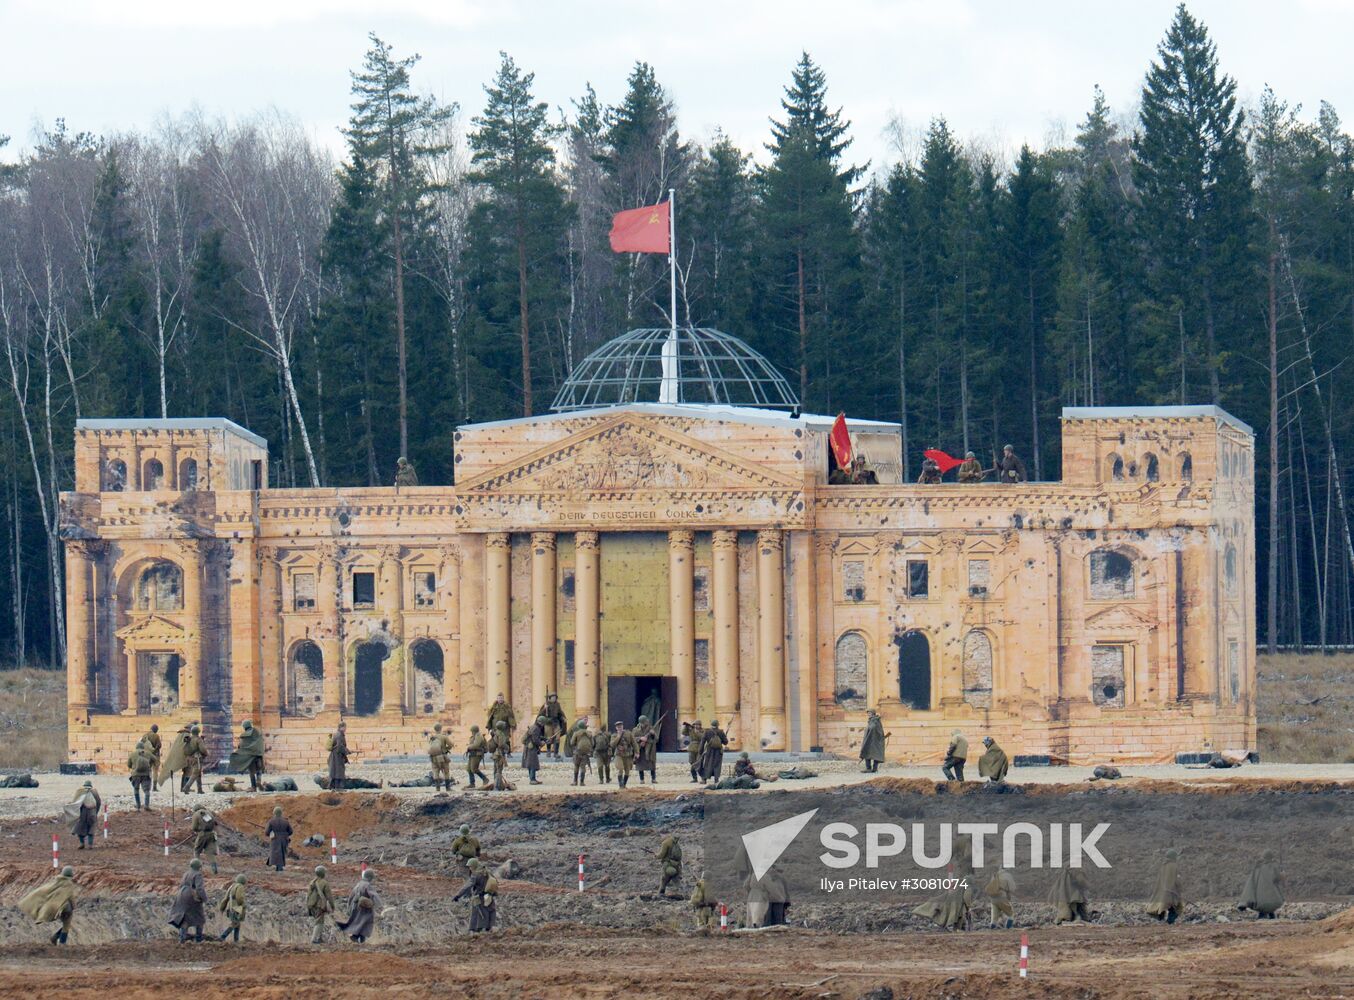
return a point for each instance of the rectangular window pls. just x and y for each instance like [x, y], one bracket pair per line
[567, 584]
[918, 579]
[364, 590]
[853, 581]
[568, 661]
[700, 583]
[979, 576]
[425, 590]
[1234, 668]
[702, 661]
[1107, 676]
[303, 591]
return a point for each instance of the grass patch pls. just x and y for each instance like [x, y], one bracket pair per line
[1305, 708]
[32, 718]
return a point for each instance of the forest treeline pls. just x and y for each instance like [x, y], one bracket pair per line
[454, 266]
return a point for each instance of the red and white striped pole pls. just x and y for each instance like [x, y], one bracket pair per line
[105, 821]
[581, 877]
[56, 852]
[364, 866]
[1024, 955]
[724, 917]
[166, 838]
[333, 848]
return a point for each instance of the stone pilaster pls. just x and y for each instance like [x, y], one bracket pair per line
[771, 639]
[79, 624]
[682, 620]
[587, 624]
[543, 629]
[724, 647]
[190, 673]
[330, 632]
[498, 616]
[390, 603]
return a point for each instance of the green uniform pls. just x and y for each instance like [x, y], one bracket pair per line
[703, 903]
[439, 756]
[232, 906]
[646, 738]
[955, 755]
[195, 752]
[670, 860]
[140, 764]
[474, 756]
[465, 846]
[502, 712]
[693, 733]
[993, 763]
[872, 745]
[601, 752]
[579, 744]
[1167, 901]
[625, 749]
[204, 836]
[248, 755]
[498, 746]
[53, 900]
[319, 904]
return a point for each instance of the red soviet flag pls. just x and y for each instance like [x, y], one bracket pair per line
[840, 440]
[641, 230]
[946, 462]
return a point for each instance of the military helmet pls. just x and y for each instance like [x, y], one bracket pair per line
[1267, 856]
[321, 871]
[474, 729]
[196, 728]
[154, 727]
[987, 741]
[89, 784]
[195, 864]
[68, 872]
[642, 718]
[277, 810]
[368, 874]
[540, 719]
[969, 454]
[239, 879]
[500, 724]
[1172, 854]
[743, 755]
[437, 728]
[248, 725]
[465, 829]
[1007, 447]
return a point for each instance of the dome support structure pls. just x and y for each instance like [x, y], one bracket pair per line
[689, 366]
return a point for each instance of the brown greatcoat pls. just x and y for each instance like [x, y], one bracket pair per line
[338, 757]
[84, 814]
[1069, 895]
[190, 903]
[1166, 893]
[362, 906]
[1264, 888]
[280, 829]
[994, 763]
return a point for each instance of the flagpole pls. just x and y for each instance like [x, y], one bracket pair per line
[672, 256]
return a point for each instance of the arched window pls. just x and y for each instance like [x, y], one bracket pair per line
[1153, 468]
[851, 671]
[1111, 575]
[115, 476]
[305, 679]
[428, 672]
[978, 669]
[1186, 468]
[914, 670]
[1115, 466]
[154, 475]
[188, 474]
[160, 588]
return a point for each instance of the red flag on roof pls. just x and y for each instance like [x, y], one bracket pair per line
[641, 230]
[840, 440]
[946, 462]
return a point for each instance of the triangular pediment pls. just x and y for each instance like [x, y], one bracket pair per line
[982, 546]
[152, 629]
[857, 547]
[626, 454]
[1120, 616]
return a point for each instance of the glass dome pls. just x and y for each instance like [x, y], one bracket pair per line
[693, 366]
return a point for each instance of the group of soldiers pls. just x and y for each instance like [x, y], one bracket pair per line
[1008, 469]
[993, 765]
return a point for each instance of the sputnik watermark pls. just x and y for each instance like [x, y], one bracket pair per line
[1022, 844]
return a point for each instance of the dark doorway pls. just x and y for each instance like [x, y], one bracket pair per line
[627, 695]
[914, 670]
[367, 677]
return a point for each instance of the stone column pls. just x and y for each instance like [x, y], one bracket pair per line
[771, 639]
[682, 620]
[246, 614]
[190, 675]
[329, 633]
[805, 596]
[498, 617]
[79, 615]
[542, 616]
[390, 603]
[448, 576]
[472, 622]
[272, 683]
[587, 625]
[724, 648]
[133, 684]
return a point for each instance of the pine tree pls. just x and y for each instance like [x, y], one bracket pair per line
[717, 237]
[1196, 212]
[811, 252]
[389, 127]
[522, 221]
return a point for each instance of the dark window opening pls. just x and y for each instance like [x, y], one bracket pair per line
[154, 478]
[700, 589]
[428, 675]
[303, 592]
[1186, 468]
[425, 590]
[364, 590]
[257, 466]
[1111, 576]
[1117, 470]
[367, 694]
[1153, 469]
[914, 670]
[918, 578]
[188, 474]
[116, 478]
[568, 661]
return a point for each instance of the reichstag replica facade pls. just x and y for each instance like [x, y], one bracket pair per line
[689, 547]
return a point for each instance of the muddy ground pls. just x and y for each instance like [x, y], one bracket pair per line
[619, 937]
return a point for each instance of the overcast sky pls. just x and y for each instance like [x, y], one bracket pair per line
[1003, 73]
